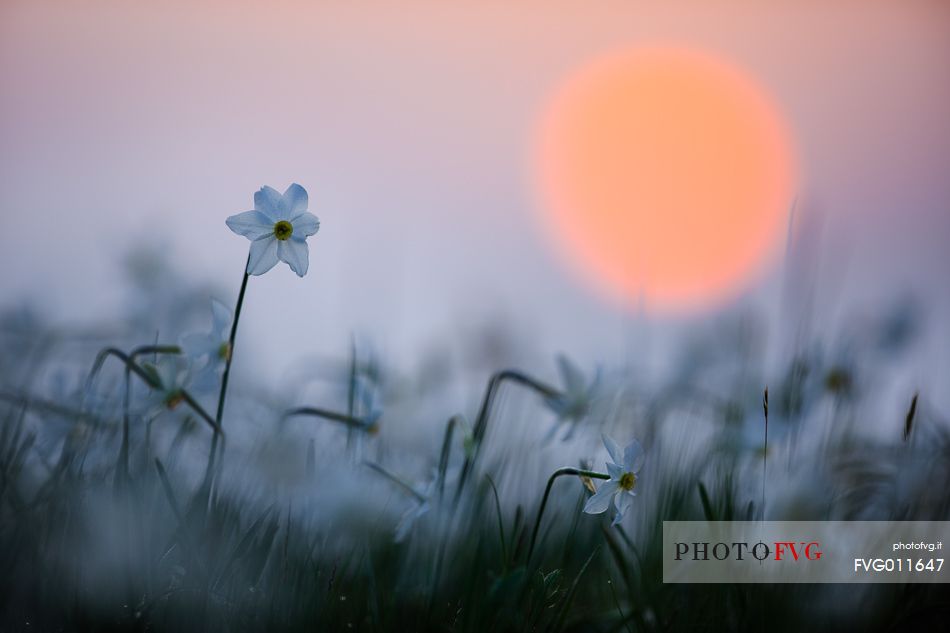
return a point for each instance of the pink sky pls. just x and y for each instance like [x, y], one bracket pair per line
[411, 125]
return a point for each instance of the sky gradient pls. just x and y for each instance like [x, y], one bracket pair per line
[412, 125]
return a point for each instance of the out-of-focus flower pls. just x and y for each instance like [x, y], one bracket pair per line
[170, 375]
[371, 422]
[840, 381]
[408, 519]
[213, 345]
[421, 505]
[574, 402]
[278, 228]
[206, 379]
[621, 487]
[364, 388]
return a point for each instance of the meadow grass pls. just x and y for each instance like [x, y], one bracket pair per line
[118, 516]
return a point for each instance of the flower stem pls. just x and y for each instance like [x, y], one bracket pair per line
[547, 491]
[123, 472]
[230, 356]
[219, 414]
[147, 379]
[484, 414]
[353, 423]
[396, 479]
[454, 421]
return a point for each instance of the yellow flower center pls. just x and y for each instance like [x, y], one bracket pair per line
[174, 399]
[283, 230]
[628, 481]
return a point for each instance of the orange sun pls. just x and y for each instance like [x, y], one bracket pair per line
[665, 174]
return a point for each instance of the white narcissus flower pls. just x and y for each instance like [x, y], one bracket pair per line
[408, 519]
[278, 228]
[421, 505]
[214, 345]
[170, 375]
[574, 402]
[621, 486]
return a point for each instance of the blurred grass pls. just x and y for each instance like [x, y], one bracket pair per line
[296, 535]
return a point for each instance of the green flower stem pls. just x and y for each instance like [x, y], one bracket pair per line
[454, 421]
[510, 375]
[230, 356]
[147, 349]
[396, 479]
[222, 395]
[484, 413]
[350, 421]
[547, 491]
[154, 349]
[136, 369]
